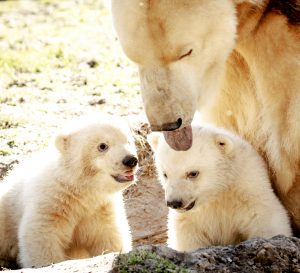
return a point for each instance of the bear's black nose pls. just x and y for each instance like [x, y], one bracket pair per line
[130, 161]
[170, 126]
[175, 204]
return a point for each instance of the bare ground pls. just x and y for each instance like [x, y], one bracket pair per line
[61, 59]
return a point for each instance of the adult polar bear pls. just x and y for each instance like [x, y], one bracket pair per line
[187, 50]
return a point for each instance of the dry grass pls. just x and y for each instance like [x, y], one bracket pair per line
[145, 153]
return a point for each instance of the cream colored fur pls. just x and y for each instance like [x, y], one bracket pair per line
[233, 197]
[243, 74]
[64, 203]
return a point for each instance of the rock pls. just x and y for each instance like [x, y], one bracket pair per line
[97, 100]
[21, 100]
[279, 254]
[100, 264]
[62, 100]
[92, 63]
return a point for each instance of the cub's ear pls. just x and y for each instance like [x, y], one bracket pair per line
[224, 143]
[62, 142]
[153, 140]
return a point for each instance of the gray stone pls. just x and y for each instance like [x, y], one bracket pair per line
[279, 254]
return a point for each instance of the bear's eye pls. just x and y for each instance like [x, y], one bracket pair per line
[186, 54]
[192, 174]
[102, 147]
[165, 175]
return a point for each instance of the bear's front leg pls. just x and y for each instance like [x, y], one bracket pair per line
[107, 229]
[75, 253]
[107, 238]
[110, 241]
[186, 240]
[184, 234]
[42, 240]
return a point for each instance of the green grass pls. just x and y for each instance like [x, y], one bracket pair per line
[7, 123]
[32, 61]
[146, 262]
[54, 51]
[4, 152]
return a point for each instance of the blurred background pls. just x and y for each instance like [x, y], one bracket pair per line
[58, 59]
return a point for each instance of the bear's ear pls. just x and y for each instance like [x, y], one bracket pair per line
[153, 140]
[224, 143]
[62, 142]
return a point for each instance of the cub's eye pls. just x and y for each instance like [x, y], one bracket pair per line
[165, 175]
[102, 147]
[192, 174]
[186, 54]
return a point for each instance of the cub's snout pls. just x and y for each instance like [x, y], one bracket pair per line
[175, 204]
[130, 161]
[180, 205]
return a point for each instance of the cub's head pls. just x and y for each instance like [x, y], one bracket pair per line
[180, 47]
[100, 147]
[193, 177]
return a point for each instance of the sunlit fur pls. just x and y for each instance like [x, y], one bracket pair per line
[234, 197]
[63, 203]
[243, 73]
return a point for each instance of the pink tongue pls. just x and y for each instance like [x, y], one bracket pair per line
[129, 175]
[179, 140]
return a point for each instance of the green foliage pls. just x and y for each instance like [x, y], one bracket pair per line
[7, 123]
[55, 57]
[146, 262]
[4, 153]
[11, 144]
[31, 61]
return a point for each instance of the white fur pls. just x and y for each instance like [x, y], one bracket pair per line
[150, 39]
[234, 198]
[242, 73]
[64, 203]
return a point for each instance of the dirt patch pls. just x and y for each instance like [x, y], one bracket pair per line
[147, 212]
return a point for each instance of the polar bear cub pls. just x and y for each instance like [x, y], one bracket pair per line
[66, 202]
[218, 191]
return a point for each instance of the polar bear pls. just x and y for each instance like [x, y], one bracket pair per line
[218, 191]
[66, 202]
[236, 61]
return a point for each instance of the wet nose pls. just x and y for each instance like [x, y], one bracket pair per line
[171, 126]
[175, 204]
[130, 161]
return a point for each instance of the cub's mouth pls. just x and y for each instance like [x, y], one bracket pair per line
[190, 205]
[183, 209]
[127, 176]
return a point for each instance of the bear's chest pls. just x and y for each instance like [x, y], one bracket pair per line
[93, 226]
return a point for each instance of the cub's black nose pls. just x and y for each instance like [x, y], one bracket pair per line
[176, 204]
[130, 161]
